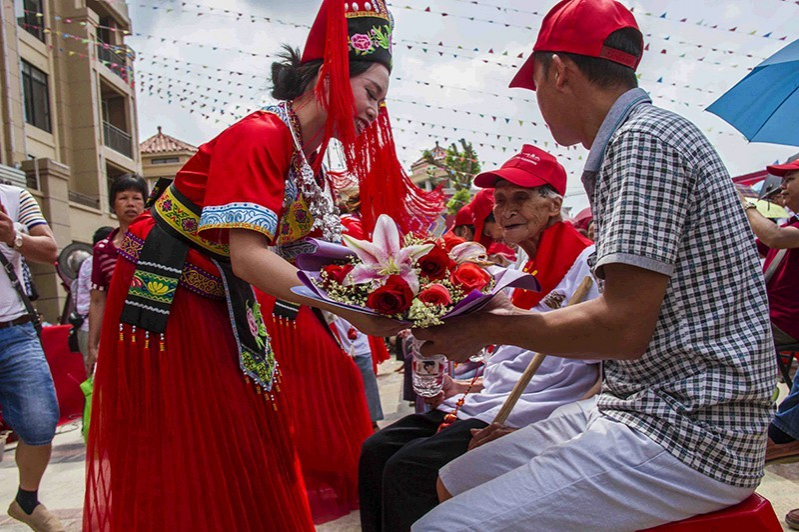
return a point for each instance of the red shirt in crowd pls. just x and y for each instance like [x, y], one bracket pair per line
[783, 287]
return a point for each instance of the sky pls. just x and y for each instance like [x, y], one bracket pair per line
[202, 63]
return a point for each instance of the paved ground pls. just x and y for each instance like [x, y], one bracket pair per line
[63, 485]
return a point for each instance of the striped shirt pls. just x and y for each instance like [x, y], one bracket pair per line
[22, 208]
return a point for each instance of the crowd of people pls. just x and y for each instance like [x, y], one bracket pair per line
[225, 400]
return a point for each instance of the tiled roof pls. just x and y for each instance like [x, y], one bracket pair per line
[160, 143]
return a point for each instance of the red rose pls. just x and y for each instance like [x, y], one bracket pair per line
[435, 294]
[435, 264]
[470, 277]
[394, 297]
[337, 273]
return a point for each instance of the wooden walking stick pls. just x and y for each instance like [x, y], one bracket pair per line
[535, 363]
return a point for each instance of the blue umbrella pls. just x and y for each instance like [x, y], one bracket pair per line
[764, 106]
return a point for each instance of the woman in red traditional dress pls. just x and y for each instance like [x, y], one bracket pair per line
[189, 429]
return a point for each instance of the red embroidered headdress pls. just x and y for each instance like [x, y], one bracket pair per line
[361, 31]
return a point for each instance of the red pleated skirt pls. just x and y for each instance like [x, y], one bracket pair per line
[178, 440]
[379, 352]
[324, 391]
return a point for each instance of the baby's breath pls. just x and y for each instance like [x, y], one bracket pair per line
[425, 314]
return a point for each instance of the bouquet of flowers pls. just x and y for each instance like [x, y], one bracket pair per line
[414, 280]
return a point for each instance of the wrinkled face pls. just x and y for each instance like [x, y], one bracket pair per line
[128, 205]
[522, 212]
[369, 90]
[790, 189]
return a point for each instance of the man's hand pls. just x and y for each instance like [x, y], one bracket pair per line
[448, 389]
[7, 230]
[490, 433]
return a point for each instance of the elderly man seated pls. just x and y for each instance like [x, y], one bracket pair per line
[399, 465]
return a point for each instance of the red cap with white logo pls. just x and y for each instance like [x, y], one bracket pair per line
[532, 167]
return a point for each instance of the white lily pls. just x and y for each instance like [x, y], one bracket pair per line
[468, 252]
[384, 256]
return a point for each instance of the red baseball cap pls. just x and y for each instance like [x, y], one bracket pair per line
[531, 167]
[580, 27]
[464, 216]
[481, 206]
[782, 169]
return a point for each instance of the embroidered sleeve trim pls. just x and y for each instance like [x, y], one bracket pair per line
[239, 216]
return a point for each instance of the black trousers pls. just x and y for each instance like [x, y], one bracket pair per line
[399, 467]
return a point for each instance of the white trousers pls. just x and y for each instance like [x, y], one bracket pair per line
[576, 470]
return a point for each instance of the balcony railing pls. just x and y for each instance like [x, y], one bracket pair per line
[114, 61]
[117, 140]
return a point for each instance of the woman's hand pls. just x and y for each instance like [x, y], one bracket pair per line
[91, 360]
[371, 325]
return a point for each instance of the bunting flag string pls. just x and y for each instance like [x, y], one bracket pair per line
[664, 16]
[196, 106]
[202, 104]
[647, 38]
[124, 71]
[215, 102]
[145, 76]
[410, 44]
[185, 66]
[424, 46]
[228, 82]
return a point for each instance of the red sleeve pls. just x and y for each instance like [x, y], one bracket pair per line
[353, 227]
[246, 177]
[761, 248]
[104, 260]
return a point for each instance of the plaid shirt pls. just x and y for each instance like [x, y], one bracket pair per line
[663, 201]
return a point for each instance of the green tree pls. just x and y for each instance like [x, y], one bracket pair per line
[460, 165]
[458, 200]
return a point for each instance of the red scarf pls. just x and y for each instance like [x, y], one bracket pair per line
[559, 247]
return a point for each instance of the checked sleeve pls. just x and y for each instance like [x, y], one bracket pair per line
[643, 203]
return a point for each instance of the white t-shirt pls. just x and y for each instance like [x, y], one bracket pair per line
[21, 207]
[557, 382]
[82, 291]
[357, 347]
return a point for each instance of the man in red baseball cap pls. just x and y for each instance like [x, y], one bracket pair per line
[783, 170]
[682, 323]
[528, 195]
[780, 247]
[582, 28]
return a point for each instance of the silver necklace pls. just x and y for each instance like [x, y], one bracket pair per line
[319, 198]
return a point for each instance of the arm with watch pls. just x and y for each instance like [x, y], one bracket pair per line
[35, 245]
[769, 233]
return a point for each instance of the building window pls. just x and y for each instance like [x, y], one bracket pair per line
[37, 99]
[165, 160]
[30, 15]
